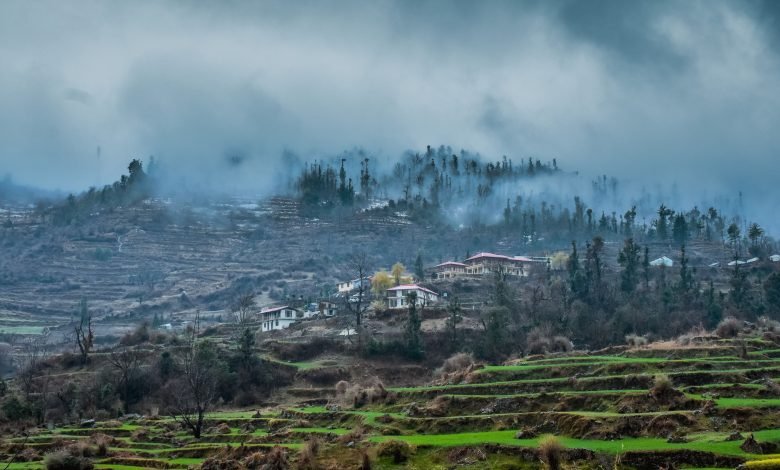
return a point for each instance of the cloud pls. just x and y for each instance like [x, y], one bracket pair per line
[646, 90]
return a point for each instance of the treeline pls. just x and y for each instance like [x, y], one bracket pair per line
[430, 179]
[130, 189]
[186, 380]
[592, 304]
[434, 185]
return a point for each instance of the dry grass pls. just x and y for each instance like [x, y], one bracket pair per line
[729, 327]
[550, 452]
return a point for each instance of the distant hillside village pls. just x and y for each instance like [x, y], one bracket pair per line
[396, 289]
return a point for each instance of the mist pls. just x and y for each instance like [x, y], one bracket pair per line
[668, 94]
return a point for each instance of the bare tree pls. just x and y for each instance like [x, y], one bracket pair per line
[126, 362]
[358, 299]
[33, 353]
[242, 308]
[191, 395]
[85, 337]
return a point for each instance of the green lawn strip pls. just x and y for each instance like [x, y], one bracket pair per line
[747, 402]
[302, 365]
[571, 393]
[713, 444]
[221, 445]
[22, 465]
[239, 414]
[106, 466]
[532, 366]
[369, 416]
[551, 380]
[335, 431]
[740, 402]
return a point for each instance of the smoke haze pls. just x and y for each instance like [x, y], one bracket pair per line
[654, 92]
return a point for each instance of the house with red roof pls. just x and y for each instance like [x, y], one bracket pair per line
[489, 263]
[448, 270]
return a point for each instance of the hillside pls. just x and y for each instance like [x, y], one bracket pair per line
[697, 402]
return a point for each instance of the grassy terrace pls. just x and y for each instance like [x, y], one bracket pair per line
[600, 411]
[710, 442]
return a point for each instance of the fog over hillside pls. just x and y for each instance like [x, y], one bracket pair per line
[681, 95]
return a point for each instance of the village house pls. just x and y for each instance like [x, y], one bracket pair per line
[449, 270]
[326, 308]
[483, 264]
[276, 318]
[397, 297]
[348, 286]
[490, 263]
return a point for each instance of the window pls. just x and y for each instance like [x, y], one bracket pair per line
[277, 322]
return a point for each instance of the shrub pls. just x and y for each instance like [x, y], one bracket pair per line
[550, 450]
[342, 387]
[28, 454]
[307, 459]
[81, 449]
[62, 460]
[636, 341]
[729, 327]
[102, 443]
[365, 461]
[276, 459]
[458, 362]
[561, 344]
[399, 451]
[662, 385]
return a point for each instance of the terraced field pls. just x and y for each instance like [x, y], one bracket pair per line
[607, 411]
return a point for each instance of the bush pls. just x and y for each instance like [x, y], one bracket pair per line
[307, 459]
[636, 341]
[365, 461]
[456, 363]
[661, 385]
[28, 454]
[550, 450]
[729, 327]
[561, 344]
[342, 387]
[62, 460]
[399, 451]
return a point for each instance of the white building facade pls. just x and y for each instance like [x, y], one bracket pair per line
[397, 297]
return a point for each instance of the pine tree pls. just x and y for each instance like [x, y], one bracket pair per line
[419, 268]
[629, 259]
[412, 335]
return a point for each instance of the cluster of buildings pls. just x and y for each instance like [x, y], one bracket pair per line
[398, 297]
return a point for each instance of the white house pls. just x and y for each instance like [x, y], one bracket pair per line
[449, 270]
[348, 286]
[662, 261]
[276, 318]
[775, 258]
[397, 296]
[488, 263]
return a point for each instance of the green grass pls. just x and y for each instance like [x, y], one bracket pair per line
[713, 442]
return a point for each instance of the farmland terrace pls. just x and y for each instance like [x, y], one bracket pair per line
[709, 404]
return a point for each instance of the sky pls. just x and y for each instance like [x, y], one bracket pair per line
[649, 91]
